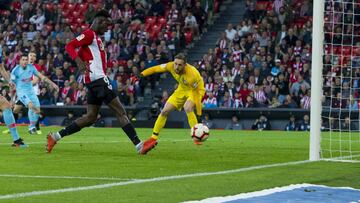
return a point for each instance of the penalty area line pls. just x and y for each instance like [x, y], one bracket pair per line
[65, 177]
[138, 181]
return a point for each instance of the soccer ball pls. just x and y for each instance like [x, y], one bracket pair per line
[200, 132]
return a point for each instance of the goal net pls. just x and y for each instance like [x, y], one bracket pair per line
[340, 80]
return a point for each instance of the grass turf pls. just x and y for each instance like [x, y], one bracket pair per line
[107, 153]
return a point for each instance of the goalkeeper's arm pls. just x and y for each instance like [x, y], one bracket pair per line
[155, 69]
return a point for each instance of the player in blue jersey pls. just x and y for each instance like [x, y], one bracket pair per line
[7, 113]
[22, 76]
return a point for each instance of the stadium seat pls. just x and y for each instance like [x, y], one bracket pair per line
[150, 20]
[188, 37]
[71, 7]
[162, 21]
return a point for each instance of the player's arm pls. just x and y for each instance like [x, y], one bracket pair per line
[4, 73]
[156, 69]
[84, 39]
[35, 80]
[45, 79]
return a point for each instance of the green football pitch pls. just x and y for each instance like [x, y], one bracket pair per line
[101, 165]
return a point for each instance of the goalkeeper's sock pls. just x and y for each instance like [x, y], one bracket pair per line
[155, 136]
[159, 124]
[192, 119]
[71, 129]
[131, 133]
[10, 123]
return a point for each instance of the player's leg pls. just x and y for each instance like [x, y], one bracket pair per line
[159, 124]
[9, 119]
[33, 114]
[189, 107]
[161, 119]
[35, 99]
[37, 125]
[17, 108]
[86, 120]
[124, 121]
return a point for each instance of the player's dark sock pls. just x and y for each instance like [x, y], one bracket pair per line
[16, 116]
[71, 129]
[131, 133]
[37, 125]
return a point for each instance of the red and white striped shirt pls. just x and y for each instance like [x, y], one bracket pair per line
[209, 87]
[92, 51]
[211, 101]
[238, 103]
[223, 44]
[305, 102]
[260, 96]
[251, 86]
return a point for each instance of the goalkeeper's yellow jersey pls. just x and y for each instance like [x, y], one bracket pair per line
[189, 80]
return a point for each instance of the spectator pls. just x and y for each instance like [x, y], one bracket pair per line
[305, 123]
[211, 101]
[69, 119]
[234, 124]
[291, 126]
[347, 125]
[157, 8]
[38, 20]
[191, 24]
[207, 121]
[261, 123]
[200, 15]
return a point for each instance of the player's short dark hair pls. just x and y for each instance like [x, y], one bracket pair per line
[181, 56]
[24, 54]
[102, 13]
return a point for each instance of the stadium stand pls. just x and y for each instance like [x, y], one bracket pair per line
[144, 33]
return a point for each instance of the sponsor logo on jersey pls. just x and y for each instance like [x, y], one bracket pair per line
[80, 37]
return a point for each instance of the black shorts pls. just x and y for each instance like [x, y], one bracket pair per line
[18, 102]
[100, 91]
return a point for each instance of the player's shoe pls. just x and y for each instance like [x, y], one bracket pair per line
[7, 131]
[39, 132]
[197, 142]
[32, 131]
[148, 145]
[51, 142]
[19, 143]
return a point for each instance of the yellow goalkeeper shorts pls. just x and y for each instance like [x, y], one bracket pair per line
[179, 97]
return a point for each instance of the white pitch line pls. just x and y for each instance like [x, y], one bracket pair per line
[64, 177]
[109, 185]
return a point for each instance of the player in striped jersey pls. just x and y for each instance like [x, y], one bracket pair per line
[89, 53]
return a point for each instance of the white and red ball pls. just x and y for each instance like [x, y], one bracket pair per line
[200, 132]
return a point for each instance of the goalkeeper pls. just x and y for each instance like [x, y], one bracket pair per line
[187, 95]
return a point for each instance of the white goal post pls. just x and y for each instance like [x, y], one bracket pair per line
[316, 78]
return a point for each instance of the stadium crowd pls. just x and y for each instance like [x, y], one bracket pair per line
[264, 60]
[144, 33]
